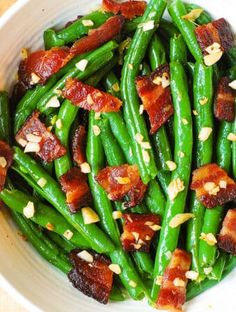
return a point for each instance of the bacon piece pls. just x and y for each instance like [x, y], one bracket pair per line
[99, 36]
[92, 279]
[89, 98]
[227, 236]
[128, 9]
[213, 186]
[218, 31]
[41, 65]
[172, 294]
[139, 230]
[79, 145]
[154, 91]
[74, 184]
[49, 146]
[225, 101]
[6, 156]
[122, 181]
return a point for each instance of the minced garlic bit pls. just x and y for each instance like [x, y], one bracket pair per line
[214, 54]
[42, 182]
[209, 238]
[184, 121]
[86, 256]
[3, 162]
[90, 99]
[58, 92]
[163, 80]
[123, 180]
[158, 280]
[147, 238]
[231, 137]
[29, 210]
[33, 138]
[178, 282]
[141, 109]
[32, 147]
[207, 271]
[85, 167]
[59, 124]
[193, 15]
[81, 65]
[232, 84]
[68, 234]
[203, 100]
[223, 184]
[135, 235]
[24, 53]
[171, 165]
[181, 154]
[53, 102]
[97, 115]
[168, 254]
[34, 79]
[192, 275]
[87, 23]
[115, 268]
[22, 142]
[116, 215]
[146, 26]
[50, 227]
[139, 138]
[137, 246]
[155, 227]
[116, 87]
[145, 145]
[204, 134]
[148, 223]
[96, 130]
[213, 48]
[211, 188]
[132, 284]
[130, 66]
[176, 186]
[146, 156]
[195, 113]
[180, 218]
[89, 215]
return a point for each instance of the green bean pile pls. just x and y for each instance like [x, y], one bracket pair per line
[177, 142]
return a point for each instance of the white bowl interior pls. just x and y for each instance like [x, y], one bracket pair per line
[31, 279]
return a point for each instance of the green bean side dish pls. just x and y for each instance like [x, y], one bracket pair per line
[118, 151]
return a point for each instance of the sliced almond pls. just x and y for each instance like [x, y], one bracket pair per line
[178, 282]
[81, 65]
[137, 246]
[42, 182]
[53, 102]
[231, 137]
[213, 48]
[207, 271]
[132, 284]
[115, 268]
[87, 23]
[203, 100]
[130, 66]
[33, 138]
[192, 275]
[211, 59]
[209, 238]
[146, 26]
[90, 99]
[86, 256]
[232, 84]
[223, 184]
[195, 113]
[34, 79]
[22, 142]
[175, 187]
[193, 14]
[184, 121]
[145, 145]
[135, 235]
[158, 280]
[3, 162]
[32, 148]
[155, 227]
[96, 130]
[68, 234]
[141, 109]
[85, 167]
[139, 138]
[168, 254]
[149, 223]
[204, 134]
[97, 115]
[171, 165]
[180, 218]
[29, 210]
[116, 215]
[123, 180]
[146, 156]
[89, 215]
[59, 124]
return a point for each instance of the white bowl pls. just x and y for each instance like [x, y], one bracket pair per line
[23, 272]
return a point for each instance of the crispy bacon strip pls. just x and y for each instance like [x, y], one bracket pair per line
[6, 156]
[41, 65]
[218, 31]
[213, 186]
[138, 231]
[122, 182]
[128, 9]
[99, 36]
[225, 101]
[79, 145]
[154, 91]
[90, 98]
[172, 294]
[34, 132]
[227, 236]
[74, 184]
[92, 279]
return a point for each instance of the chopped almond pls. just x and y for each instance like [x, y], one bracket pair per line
[89, 216]
[175, 187]
[179, 219]
[209, 238]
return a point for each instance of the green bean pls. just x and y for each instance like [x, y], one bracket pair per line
[54, 195]
[44, 216]
[61, 242]
[74, 31]
[194, 289]
[167, 29]
[154, 198]
[218, 267]
[4, 117]
[117, 294]
[234, 150]
[42, 248]
[134, 121]
[213, 217]
[177, 10]
[178, 49]
[183, 143]
[112, 84]
[231, 73]
[156, 52]
[130, 26]
[145, 69]
[203, 91]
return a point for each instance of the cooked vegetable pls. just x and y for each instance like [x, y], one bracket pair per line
[128, 9]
